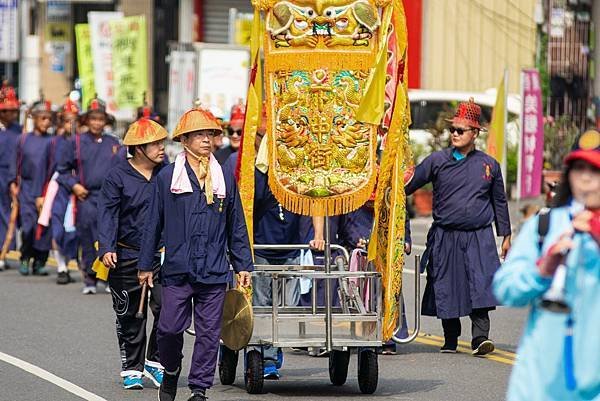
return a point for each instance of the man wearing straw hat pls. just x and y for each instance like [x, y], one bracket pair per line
[122, 211]
[197, 210]
[461, 256]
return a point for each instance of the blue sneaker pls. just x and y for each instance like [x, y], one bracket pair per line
[271, 373]
[24, 268]
[155, 374]
[132, 382]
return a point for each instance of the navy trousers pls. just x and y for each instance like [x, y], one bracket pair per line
[176, 316]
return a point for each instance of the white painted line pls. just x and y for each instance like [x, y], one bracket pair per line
[49, 377]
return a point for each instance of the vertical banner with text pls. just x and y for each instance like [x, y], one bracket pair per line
[532, 135]
[182, 84]
[9, 30]
[85, 62]
[129, 61]
[102, 51]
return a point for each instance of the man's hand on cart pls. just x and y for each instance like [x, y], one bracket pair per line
[318, 242]
[244, 279]
[146, 277]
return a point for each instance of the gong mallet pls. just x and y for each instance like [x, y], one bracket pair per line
[140, 312]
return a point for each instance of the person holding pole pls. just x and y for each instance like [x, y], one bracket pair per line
[82, 168]
[461, 256]
[122, 212]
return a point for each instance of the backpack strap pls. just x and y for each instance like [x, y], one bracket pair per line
[543, 226]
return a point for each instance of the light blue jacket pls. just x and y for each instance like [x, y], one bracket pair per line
[539, 373]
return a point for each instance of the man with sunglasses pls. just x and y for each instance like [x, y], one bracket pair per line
[234, 134]
[461, 256]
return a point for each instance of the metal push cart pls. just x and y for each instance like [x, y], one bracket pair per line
[353, 326]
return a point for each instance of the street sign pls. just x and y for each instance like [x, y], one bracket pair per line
[9, 30]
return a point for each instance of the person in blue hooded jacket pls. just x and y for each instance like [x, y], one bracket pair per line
[559, 354]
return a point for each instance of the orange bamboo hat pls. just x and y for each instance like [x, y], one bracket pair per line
[144, 131]
[196, 119]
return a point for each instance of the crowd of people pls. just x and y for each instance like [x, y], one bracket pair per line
[175, 232]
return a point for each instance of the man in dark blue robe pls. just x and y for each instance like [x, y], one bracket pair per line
[33, 171]
[10, 131]
[196, 208]
[82, 168]
[122, 212]
[64, 235]
[461, 256]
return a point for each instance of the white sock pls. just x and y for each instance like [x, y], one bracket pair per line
[61, 263]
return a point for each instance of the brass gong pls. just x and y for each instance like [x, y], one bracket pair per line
[238, 320]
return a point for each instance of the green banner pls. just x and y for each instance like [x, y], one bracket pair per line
[85, 63]
[129, 61]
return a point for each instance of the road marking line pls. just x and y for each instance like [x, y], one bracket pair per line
[16, 256]
[49, 377]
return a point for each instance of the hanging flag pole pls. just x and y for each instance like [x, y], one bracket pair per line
[520, 143]
[504, 124]
[496, 141]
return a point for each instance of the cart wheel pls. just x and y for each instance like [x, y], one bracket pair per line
[338, 367]
[368, 371]
[254, 376]
[227, 365]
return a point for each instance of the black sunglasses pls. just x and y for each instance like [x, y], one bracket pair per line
[237, 131]
[459, 131]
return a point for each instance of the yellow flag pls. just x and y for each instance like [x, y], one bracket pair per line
[371, 107]
[251, 124]
[495, 141]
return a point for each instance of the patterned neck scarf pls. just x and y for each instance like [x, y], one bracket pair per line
[203, 173]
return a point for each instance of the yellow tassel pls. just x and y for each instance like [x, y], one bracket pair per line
[330, 206]
[308, 61]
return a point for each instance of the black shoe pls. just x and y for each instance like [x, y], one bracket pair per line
[198, 395]
[168, 388]
[450, 345]
[482, 346]
[39, 269]
[63, 278]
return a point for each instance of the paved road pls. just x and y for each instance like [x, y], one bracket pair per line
[72, 337]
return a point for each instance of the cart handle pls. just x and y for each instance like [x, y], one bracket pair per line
[414, 335]
[291, 247]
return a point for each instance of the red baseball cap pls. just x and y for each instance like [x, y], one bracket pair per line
[586, 148]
